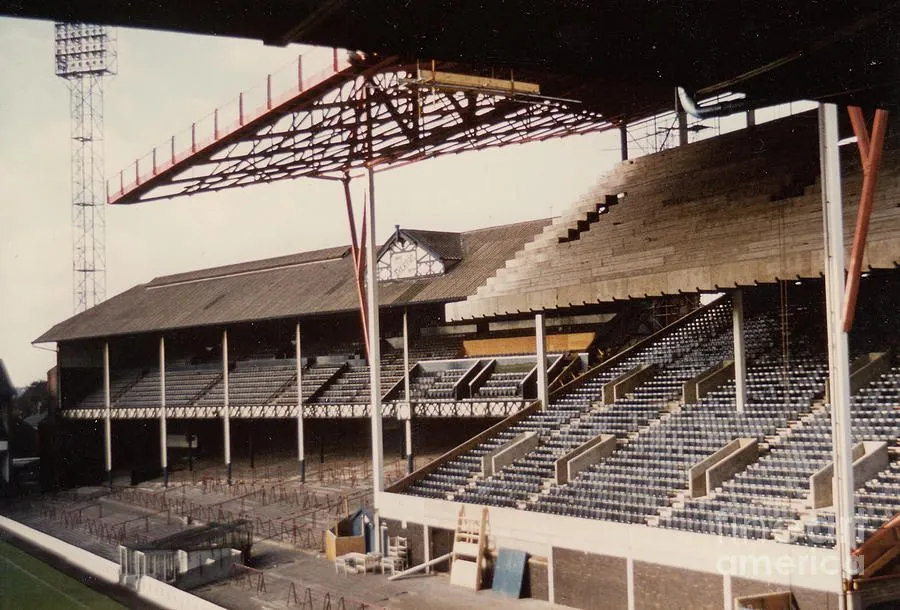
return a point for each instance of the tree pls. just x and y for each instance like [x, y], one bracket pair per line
[35, 399]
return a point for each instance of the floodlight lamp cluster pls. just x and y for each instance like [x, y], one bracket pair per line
[83, 50]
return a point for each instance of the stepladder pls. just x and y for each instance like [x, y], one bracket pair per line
[469, 546]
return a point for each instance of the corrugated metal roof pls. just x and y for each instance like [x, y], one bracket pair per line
[304, 284]
[448, 246]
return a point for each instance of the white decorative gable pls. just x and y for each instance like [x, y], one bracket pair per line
[404, 259]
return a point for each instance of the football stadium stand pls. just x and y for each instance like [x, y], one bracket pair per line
[711, 434]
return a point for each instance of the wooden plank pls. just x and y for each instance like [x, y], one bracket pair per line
[471, 81]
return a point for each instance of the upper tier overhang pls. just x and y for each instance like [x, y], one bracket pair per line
[629, 54]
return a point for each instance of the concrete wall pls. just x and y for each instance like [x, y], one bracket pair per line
[171, 598]
[697, 472]
[99, 567]
[869, 458]
[747, 453]
[863, 370]
[599, 564]
[701, 385]
[509, 452]
[542, 534]
[711, 472]
[159, 593]
[627, 382]
[567, 467]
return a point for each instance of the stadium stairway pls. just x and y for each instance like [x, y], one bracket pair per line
[460, 479]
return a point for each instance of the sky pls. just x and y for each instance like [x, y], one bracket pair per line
[164, 82]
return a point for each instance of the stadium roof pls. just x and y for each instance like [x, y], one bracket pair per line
[632, 52]
[299, 285]
[356, 112]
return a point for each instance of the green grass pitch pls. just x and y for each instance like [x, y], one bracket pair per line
[27, 583]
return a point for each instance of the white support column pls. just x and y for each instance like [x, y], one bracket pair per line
[838, 352]
[541, 349]
[426, 544]
[551, 576]
[301, 443]
[682, 122]
[226, 408]
[740, 357]
[374, 355]
[107, 419]
[406, 397]
[163, 450]
[629, 583]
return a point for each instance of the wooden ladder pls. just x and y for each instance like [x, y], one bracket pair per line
[469, 542]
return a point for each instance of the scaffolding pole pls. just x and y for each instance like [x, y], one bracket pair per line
[301, 444]
[226, 408]
[107, 420]
[407, 425]
[163, 457]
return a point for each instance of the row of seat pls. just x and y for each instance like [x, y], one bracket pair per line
[457, 478]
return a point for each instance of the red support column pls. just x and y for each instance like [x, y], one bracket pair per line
[870, 156]
[193, 137]
[358, 256]
[216, 123]
[154, 160]
[335, 59]
[268, 92]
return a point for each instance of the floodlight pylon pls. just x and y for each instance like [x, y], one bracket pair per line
[85, 55]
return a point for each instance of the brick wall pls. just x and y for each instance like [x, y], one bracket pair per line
[536, 583]
[592, 582]
[659, 587]
[806, 599]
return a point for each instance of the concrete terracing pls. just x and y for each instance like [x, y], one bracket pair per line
[738, 209]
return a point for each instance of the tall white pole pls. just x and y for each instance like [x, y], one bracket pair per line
[406, 396]
[541, 349]
[740, 356]
[374, 354]
[226, 408]
[301, 443]
[107, 421]
[838, 352]
[682, 123]
[163, 455]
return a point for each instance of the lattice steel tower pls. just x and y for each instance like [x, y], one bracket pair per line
[85, 54]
